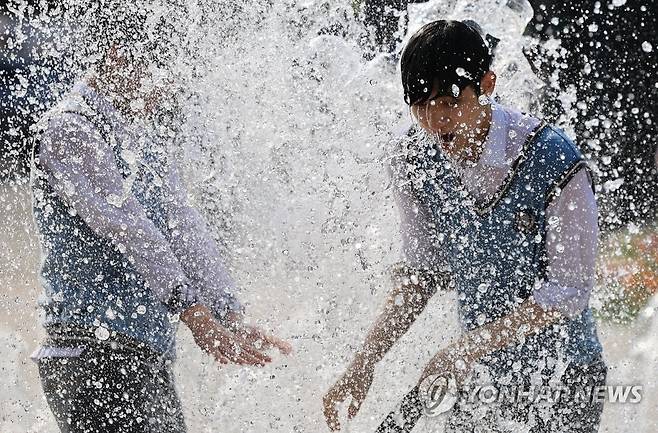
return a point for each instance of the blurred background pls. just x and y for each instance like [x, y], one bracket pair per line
[282, 130]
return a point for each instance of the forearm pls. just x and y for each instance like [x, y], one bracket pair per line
[527, 319]
[193, 244]
[83, 173]
[402, 307]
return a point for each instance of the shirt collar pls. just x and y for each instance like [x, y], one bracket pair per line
[494, 152]
[98, 102]
[103, 106]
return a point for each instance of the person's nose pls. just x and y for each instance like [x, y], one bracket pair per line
[438, 119]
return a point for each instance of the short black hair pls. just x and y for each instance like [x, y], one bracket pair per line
[144, 31]
[446, 56]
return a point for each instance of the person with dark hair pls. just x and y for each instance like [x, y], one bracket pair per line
[610, 117]
[126, 257]
[499, 207]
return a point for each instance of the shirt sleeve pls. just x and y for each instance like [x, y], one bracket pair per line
[420, 257]
[81, 167]
[571, 245]
[197, 251]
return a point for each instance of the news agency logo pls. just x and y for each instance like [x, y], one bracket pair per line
[439, 393]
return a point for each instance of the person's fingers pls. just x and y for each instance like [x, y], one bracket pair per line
[227, 345]
[246, 348]
[240, 354]
[249, 359]
[283, 346]
[221, 358]
[245, 354]
[359, 392]
[263, 341]
[330, 412]
[270, 340]
[354, 407]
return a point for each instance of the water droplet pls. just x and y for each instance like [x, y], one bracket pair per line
[647, 47]
[633, 228]
[141, 309]
[102, 333]
[129, 156]
[559, 248]
[482, 288]
[114, 200]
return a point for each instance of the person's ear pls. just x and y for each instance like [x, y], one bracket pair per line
[488, 83]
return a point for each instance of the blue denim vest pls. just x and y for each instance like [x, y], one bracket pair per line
[495, 251]
[90, 287]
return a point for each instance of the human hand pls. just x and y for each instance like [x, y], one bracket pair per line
[450, 362]
[224, 345]
[354, 383]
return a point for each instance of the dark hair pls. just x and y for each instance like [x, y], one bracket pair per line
[441, 55]
[142, 32]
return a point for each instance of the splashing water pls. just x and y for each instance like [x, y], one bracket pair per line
[284, 149]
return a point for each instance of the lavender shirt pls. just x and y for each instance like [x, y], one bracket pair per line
[82, 169]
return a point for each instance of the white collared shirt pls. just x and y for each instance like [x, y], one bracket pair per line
[571, 240]
[81, 168]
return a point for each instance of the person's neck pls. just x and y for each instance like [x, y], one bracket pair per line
[470, 147]
[106, 86]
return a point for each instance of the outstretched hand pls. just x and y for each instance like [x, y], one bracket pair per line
[242, 344]
[355, 383]
[452, 361]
